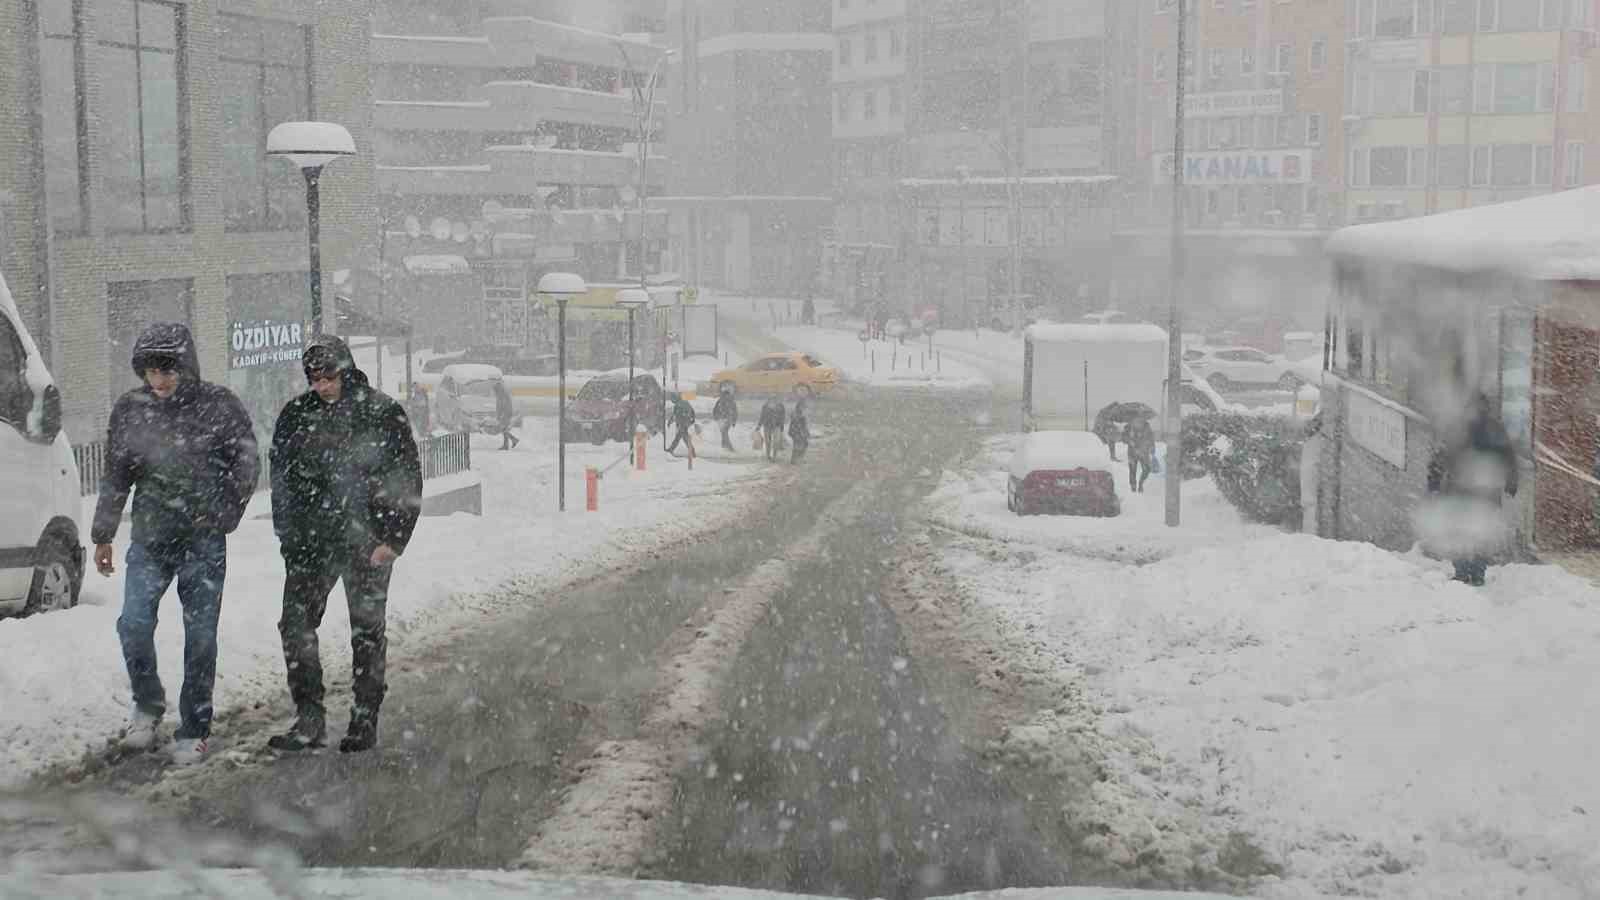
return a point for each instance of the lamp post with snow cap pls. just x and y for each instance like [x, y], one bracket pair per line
[561, 287]
[633, 300]
[312, 145]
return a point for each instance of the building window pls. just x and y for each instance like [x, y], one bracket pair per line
[1480, 166]
[1394, 92]
[1516, 88]
[1452, 90]
[66, 154]
[1216, 63]
[143, 138]
[1577, 94]
[1450, 165]
[1520, 15]
[895, 49]
[265, 80]
[1286, 130]
[844, 53]
[1512, 165]
[1319, 55]
[1543, 165]
[1390, 166]
[869, 105]
[1314, 129]
[133, 306]
[1395, 19]
[1247, 60]
[1283, 59]
[1458, 16]
[869, 48]
[896, 101]
[1158, 66]
[1574, 164]
[844, 106]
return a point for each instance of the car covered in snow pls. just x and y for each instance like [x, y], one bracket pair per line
[1062, 472]
[41, 553]
[600, 411]
[1226, 368]
[465, 398]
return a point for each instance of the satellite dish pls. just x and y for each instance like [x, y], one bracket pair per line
[413, 226]
[459, 232]
[440, 228]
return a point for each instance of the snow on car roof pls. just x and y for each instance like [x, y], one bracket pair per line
[1088, 333]
[1051, 450]
[473, 372]
[1550, 237]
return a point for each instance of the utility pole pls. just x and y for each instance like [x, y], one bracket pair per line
[1174, 417]
[1017, 138]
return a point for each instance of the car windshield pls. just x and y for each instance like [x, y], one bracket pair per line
[1323, 622]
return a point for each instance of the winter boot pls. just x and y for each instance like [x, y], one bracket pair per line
[188, 751]
[308, 733]
[362, 735]
[141, 731]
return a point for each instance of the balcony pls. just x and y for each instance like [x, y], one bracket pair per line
[520, 40]
[580, 167]
[527, 101]
[465, 52]
[442, 115]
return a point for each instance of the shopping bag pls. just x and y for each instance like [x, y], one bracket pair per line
[759, 442]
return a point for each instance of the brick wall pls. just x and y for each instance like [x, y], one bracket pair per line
[81, 266]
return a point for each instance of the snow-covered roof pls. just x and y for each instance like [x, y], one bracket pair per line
[1061, 450]
[1554, 237]
[1088, 332]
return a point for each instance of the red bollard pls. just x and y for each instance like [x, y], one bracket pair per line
[591, 477]
[640, 441]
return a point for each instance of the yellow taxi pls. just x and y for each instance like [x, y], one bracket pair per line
[780, 373]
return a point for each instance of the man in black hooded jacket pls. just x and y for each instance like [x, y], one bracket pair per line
[187, 452]
[346, 494]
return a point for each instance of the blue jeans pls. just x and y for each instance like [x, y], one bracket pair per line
[200, 565]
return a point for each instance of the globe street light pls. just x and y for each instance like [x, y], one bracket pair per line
[312, 145]
[562, 287]
[633, 300]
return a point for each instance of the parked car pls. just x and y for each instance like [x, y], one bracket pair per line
[1065, 472]
[41, 553]
[779, 373]
[600, 411]
[1229, 367]
[465, 398]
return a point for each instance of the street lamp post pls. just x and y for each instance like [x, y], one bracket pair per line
[633, 300]
[1174, 417]
[561, 287]
[644, 109]
[311, 146]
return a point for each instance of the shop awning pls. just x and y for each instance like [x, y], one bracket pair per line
[437, 264]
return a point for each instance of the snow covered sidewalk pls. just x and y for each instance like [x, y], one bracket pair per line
[62, 675]
[1368, 725]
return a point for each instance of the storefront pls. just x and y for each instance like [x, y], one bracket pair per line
[266, 331]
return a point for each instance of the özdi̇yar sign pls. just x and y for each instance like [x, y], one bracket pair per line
[265, 343]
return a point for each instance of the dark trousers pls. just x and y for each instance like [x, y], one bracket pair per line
[200, 565]
[683, 435]
[798, 452]
[772, 436]
[1138, 470]
[507, 439]
[305, 599]
[726, 425]
[1472, 570]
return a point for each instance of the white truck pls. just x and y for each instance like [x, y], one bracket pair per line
[41, 551]
[1071, 372]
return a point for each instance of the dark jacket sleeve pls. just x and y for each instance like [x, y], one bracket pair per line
[117, 482]
[279, 458]
[1436, 467]
[1508, 456]
[397, 495]
[241, 458]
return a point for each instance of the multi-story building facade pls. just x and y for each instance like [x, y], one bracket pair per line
[136, 185]
[1010, 110]
[1456, 103]
[751, 125]
[863, 254]
[1263, 165]
[507, 142]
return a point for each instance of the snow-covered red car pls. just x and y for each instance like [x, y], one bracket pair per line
[1062, 472]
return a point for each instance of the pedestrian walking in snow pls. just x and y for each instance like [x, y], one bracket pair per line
[799, 432]
[186, 450]
[504, 413]
[346, 494]
[726, 414]
[1141, 440]
[682, 420]
[771, 424]
[417, 410]
[1473, 468]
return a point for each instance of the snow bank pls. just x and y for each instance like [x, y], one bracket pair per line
[62, 674]
[1373, 727]
[1061, 450]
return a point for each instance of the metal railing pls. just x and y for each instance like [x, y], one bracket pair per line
[443, 454]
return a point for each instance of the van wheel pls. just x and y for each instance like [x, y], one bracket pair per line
[57, 575]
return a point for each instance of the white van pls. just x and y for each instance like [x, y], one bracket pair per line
[41, 554]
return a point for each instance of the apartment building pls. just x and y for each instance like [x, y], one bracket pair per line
[1010, 110]
[136, 186]
[1456, 103]
[507, 136]
[1263, 165]
[863, 253]
[751, 118]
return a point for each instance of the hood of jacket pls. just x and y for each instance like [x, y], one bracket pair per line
[169, 339]
[333, 348]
